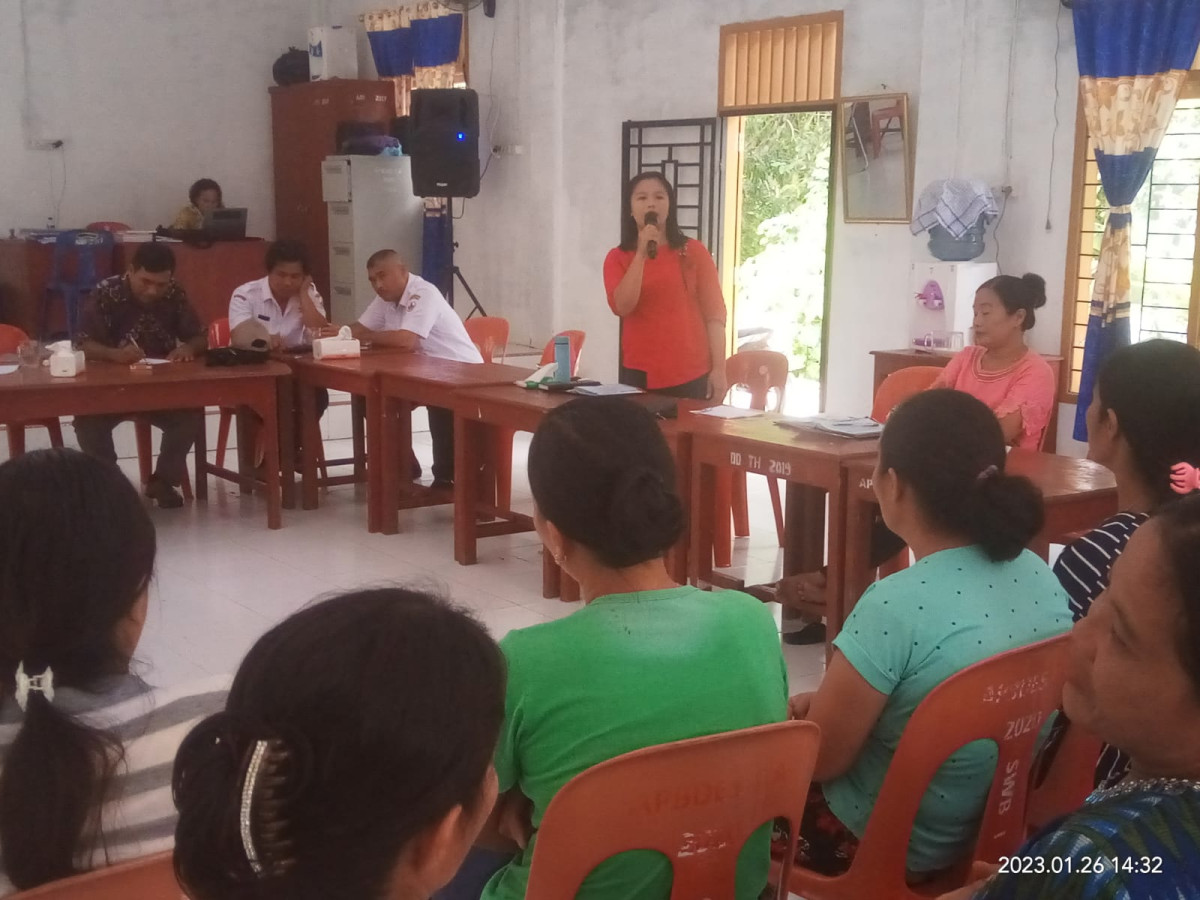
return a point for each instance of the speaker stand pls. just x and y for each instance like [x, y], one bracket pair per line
[455, 271]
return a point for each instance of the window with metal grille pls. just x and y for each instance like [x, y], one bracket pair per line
[779, 65]
[1164, 260]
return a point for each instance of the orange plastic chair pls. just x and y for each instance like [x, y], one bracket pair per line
[899, 386]
[502, 439]
[760, 372]
[11, 337]
[695, 801]
[108, 226]
[1005, 699]
[1070, 778]
[489, 333]
[149, 878]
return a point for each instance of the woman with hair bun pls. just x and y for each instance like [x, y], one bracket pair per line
[999, 369]
[974, 592]
[644, 662]
[353, 760]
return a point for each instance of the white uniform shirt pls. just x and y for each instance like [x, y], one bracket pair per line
[423, 311]
[254, 300]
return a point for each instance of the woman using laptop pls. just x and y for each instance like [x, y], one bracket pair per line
[203, 197]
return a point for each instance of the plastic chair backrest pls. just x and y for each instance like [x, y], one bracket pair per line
[11, 337]
[695, 801]
[1006, 699]
[576, 338]
[108, 226]
[488, 333]
[899, 386]
[760, 372]
[218, 333]
[149, 878]
[81, 259]
[1070, 777]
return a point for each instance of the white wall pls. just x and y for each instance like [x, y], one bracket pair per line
[149, 95]
[566, 73]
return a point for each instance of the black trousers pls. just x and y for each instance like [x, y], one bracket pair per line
[696, 389]
[179, 428]
[441, 430]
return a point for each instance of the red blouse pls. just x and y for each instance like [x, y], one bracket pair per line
[666, 335]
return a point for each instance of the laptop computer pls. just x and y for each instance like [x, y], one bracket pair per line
[226, 224]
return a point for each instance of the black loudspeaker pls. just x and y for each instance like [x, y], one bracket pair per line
[443, 142]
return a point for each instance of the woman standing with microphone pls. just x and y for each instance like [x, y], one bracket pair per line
[665, 288]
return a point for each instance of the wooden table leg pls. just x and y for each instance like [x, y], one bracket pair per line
[857, 575]
[722, 525]
[677, 556]
[311, 430]
[374, 462]
[285, 399]
[200, 455]
[469, 437]
[245, 449]
[570, 589]
[387, 466]
[358, 414]
[804, 522]
[700, 558]
[551, 576]
[270, 418]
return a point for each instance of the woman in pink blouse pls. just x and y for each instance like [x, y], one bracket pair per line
[1013, 380]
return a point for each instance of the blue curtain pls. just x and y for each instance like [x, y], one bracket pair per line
[423, 43]
[1134, 56]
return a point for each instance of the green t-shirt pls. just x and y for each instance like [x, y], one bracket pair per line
[625, 672]
[907, 635]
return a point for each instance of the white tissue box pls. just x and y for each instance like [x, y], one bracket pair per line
[332, 53]
[67, 365]
[341, 347]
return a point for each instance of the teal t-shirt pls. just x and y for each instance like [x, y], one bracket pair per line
[907, 635]
[625, 672]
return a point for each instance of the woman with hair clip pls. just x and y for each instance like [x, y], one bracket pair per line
[999, 369]
[665, 289]
[973, 592]
[85, 745]
[644, 662]
[353, 760]
[1143, 423]
[1133, 679]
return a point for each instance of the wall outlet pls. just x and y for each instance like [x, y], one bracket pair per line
[53, 144]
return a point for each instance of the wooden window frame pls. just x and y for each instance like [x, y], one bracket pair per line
[1190, 91]
[835, 18]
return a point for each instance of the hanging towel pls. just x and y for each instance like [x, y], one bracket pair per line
[954, 203]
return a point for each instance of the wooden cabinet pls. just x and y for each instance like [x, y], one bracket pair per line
[304, 125]
[889, 361]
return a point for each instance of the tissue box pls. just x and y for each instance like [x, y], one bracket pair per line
[332, 53]
[67, 365]
[341, 347]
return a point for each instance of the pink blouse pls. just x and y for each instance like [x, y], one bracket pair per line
[1027, 386]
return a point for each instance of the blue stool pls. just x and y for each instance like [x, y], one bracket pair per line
[81, 260]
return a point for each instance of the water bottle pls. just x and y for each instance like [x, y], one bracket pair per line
[562, 358]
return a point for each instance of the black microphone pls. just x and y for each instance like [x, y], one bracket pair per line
[651, 246]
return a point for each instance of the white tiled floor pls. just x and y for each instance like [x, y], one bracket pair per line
[223, 578]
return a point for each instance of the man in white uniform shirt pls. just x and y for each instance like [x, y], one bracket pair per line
[409, 313]
[285, 303]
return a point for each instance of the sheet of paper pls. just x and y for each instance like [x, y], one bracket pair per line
[8, 370]
[729, 412]
[155, 362]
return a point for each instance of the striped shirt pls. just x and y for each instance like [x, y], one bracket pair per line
[138, 817]
[1085, 563]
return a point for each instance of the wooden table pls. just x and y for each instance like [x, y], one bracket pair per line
[478, 410]
[1078, 495]
[413, 380]
[889, 361]
[210, 274]
[110, 388]
[811, 462]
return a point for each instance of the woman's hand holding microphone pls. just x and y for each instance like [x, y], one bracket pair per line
[649, 236]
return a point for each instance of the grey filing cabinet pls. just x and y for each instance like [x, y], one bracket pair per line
[371, 207]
